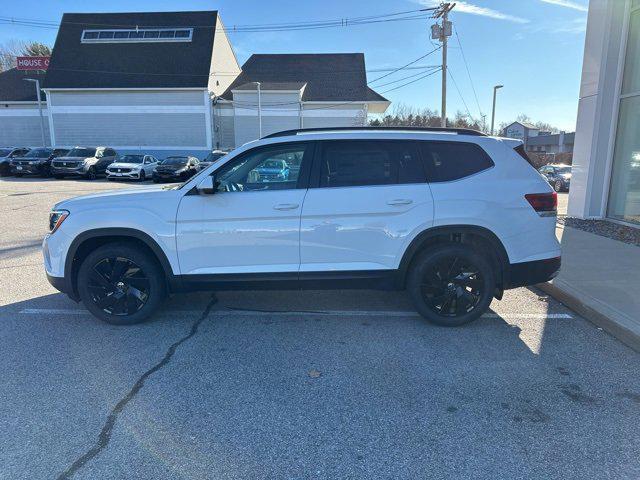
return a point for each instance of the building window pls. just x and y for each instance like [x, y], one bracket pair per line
[624, 192]
[137, 35]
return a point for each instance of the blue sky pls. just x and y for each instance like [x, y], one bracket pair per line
[533, 47]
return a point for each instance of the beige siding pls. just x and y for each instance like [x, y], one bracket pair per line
[224, 65]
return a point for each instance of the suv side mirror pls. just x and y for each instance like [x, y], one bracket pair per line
[208, 185]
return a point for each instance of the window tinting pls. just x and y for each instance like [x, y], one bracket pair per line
[269, 168]
[124, 34]
[106, 34]
[90, 35]
[358, 163]
[182, 33]
[151, 34]
[137, 35]
[167, 34]
[447, 161]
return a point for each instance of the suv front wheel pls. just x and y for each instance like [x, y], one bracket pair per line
[121, 284]
[451, 285]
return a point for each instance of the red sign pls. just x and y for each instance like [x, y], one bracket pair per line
[32, 63]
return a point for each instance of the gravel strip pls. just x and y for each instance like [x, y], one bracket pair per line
[604, 228]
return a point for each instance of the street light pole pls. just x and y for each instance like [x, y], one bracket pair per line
[259, 110]
[493, 111]
[37, 82]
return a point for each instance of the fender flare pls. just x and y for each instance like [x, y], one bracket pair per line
[423, 237]
[115, 232]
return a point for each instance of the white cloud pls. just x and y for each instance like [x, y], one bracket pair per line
[568, 4]
[466, 7]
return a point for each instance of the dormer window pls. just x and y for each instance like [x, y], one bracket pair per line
[141, 35]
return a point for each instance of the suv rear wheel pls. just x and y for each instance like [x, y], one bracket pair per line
[120, 284]
[451, 285]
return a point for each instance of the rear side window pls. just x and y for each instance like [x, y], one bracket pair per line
[447, 161]
[353, 163]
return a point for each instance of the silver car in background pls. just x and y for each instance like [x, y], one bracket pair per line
[133, 167]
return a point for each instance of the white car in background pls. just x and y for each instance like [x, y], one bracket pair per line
[135, 167]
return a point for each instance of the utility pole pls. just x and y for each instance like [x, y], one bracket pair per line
[37, 83]
[442, 33]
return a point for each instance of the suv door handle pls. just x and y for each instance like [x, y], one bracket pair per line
[400, 201]
[286, 206]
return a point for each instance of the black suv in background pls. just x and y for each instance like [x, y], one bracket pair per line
[7, 154]
[86, 162]
[36, 161]
[176, 169]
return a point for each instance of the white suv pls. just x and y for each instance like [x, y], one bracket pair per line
[453, 216]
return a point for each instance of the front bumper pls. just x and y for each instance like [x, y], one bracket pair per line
[81, 170]
[36, 169]
[124, 175]
[531, 273]
[169, 177]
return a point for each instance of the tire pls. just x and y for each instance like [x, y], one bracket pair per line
[558, 186]
[451, 285]
[143, 176]
[91, 174]
[155, 180]
[58, 177]
[133, 295]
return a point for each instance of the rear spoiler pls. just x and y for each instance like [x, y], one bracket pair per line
[518, 146]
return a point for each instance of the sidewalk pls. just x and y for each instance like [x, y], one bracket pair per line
[600, 280]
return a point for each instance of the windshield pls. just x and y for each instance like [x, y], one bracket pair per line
[564, 170]
[132, 159]
[212, 157]
[39, 153]
[273, 164]
[5, 151]
[175, 161]
[81, 152]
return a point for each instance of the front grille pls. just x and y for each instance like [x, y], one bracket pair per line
[120, 170]
[66, 164]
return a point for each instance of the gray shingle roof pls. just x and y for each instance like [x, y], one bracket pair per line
[339, 77]
[132, 65]
[14, 89]
[551, 139]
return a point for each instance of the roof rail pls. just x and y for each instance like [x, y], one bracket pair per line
[459, 131]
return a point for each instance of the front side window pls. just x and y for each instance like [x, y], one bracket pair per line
[448, 161]
[265, 168]
[353, 163]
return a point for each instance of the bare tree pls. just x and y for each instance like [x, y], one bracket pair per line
[408, 116]
[17, 48]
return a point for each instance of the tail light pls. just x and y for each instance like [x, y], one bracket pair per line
[546, 204]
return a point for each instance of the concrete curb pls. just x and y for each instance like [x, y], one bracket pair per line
[618, 324]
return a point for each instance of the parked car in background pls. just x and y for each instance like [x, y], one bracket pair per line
[558, 176]
[275, 170]
[212, 157]
[135, 167]
[453, 217]
[86, 162]
[176, 169]
[6, 155]
[37, 161]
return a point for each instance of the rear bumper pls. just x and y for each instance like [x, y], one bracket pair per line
[531, 273]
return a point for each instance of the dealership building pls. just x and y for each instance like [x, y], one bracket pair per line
[606, 160]
[169, 82]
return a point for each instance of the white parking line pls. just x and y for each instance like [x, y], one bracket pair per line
[353, 313]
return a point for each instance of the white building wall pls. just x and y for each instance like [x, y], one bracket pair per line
[130, 118]
[598, 107]
[20, 125]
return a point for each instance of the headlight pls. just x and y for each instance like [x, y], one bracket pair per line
[56, 217]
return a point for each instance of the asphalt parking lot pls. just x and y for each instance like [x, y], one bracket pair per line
[299, 385]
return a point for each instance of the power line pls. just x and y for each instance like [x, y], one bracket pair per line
[464, 58]
[460, 93]
[255, 28]
[405, 66]
[405, 78]
[413, 81]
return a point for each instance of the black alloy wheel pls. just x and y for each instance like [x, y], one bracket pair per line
[120, 283]
[143, 176]
[91, 173]
[118, 286]
[451, 285]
